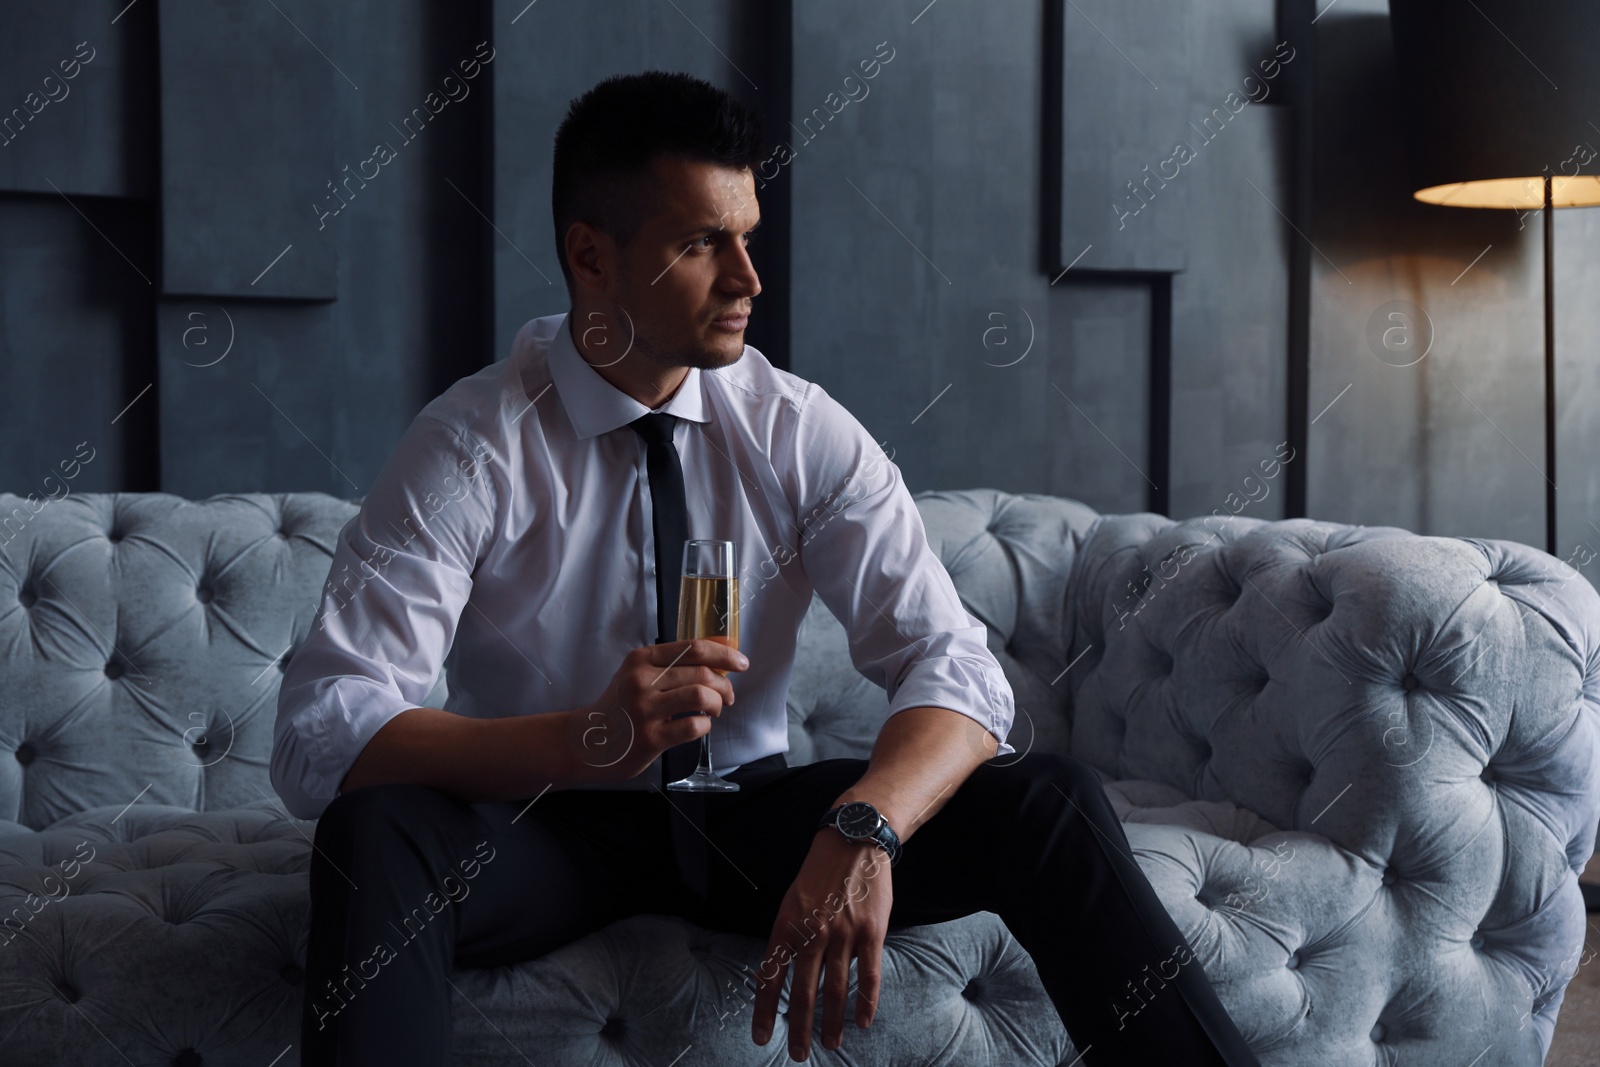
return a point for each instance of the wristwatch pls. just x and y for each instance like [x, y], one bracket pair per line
[860, 821]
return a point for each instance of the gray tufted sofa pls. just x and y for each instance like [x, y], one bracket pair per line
[1358, 765]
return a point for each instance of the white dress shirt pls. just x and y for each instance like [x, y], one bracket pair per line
[509, 539]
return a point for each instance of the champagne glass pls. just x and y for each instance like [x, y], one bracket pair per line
[708, 606]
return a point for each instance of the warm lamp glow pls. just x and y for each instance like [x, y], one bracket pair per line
[1519, 193]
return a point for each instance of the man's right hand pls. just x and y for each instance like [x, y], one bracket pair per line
[620, 735]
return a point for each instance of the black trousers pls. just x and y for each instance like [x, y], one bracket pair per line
[407, 881]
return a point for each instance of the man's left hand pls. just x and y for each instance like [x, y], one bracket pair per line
[836, 910]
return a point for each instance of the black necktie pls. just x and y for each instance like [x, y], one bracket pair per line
[670, 522]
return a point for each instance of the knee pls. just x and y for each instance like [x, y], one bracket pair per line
[1053, 771]
[1053, 789]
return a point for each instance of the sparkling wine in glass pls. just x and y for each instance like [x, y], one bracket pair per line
[708, 606]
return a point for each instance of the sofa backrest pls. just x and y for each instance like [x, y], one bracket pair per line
[1273, 664]
[1429, 704]
[144, 642]
[143, 635]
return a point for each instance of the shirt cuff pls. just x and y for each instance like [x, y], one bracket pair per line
[978, 690]
[320, 739]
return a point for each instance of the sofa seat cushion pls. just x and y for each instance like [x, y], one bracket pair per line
[143, 930]
[1156, 802]
[644, 988]
[146, 930]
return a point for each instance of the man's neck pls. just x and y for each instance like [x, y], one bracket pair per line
[657, 387]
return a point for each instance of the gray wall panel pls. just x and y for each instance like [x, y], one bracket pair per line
[1229, 319]
[1094, 413]
[250, 102]
[953, 162]
[77, 98]
[264, 416]
[1127, 100]
[413, 267]
[1577, 274]
[916, 212]
[348, 377]
[75, 343]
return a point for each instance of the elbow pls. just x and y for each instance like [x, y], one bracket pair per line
[297, 801]
[303, 807]
[289, 774]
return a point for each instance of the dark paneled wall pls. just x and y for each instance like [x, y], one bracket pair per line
[78, 263]
[316, 392]
[917, 208]
[249, 117]
[77, 343]
[78, 114]
[241, 244]
[266, 246]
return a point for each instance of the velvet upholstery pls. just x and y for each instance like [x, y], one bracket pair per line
[1358, 765]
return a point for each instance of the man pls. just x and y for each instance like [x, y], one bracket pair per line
[525, 523]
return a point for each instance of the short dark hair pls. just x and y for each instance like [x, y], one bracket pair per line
[611, 134]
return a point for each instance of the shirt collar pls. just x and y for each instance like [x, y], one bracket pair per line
[595, 406]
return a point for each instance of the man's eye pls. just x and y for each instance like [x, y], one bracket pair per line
[748, 238]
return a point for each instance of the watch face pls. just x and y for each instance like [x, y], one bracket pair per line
[859, 819]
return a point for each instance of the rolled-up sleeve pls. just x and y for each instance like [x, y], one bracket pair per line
[400, 577]
[863, 545]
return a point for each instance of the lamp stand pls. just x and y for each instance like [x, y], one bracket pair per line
[1549, 369]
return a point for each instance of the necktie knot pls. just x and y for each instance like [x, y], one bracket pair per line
[655, 428]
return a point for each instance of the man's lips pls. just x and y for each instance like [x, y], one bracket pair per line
[733, 322]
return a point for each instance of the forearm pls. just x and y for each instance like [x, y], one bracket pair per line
[475, 759]
[920, 759]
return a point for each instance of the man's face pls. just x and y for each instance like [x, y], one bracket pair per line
[688, 267]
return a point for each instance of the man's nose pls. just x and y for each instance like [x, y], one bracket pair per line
[741, 274]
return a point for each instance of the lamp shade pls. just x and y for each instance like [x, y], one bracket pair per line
[1499, 94]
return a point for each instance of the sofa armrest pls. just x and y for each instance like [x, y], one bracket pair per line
[1426, 704]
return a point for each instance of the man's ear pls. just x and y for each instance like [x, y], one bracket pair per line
[588, 253]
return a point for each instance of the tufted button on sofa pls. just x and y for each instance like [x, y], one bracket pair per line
[1358, 766]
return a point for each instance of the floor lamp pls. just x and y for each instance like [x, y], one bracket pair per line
[1503, 98]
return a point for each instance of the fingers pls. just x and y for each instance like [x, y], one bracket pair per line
[703, 678]
[869, 979]
[654, 702]
[660, 672]
[802, 995]
[770, 976]
[676, 732]
[835, 992]
[714, 652]
[668, 692]
[687, 700]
